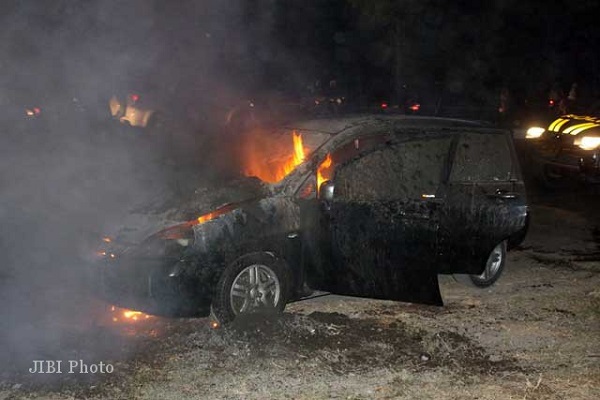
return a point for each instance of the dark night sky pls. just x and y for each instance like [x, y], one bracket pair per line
[239, 46]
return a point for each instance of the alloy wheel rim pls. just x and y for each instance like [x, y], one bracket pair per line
[255, 287]
[493, 263]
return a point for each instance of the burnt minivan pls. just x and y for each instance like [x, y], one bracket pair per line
[376, 206]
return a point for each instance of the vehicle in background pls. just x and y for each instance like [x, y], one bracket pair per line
[410, 107]
[20, 111]
[534, 112]
[28, 113]
[131, 110]
[568, 148]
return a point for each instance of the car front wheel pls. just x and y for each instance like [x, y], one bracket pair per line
[493, 267]
[257, 283]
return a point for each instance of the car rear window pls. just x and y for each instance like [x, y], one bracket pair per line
[482, 157]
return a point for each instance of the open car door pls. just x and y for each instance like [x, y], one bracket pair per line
[378, 222]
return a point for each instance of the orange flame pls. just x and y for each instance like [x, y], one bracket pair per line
[297, 159]
[323, 172]
[257, 160]
[124, 315]
[213, 214]
[298, 149]
[104, 253]
[207, 217]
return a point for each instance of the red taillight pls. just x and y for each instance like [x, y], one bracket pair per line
[37, 110]
[551, 103]
[134, 97]
[384, 105]
[415, 107]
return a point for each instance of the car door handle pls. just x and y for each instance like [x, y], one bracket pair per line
[504, 194]
[414, 215]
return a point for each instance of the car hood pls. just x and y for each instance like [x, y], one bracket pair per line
[169, 210]
[573, 125]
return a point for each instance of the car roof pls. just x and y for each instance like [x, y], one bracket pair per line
[341, 129]
[334, 126]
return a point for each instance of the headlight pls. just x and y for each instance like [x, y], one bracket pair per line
[534, 132]
[183, 242]
[183, 234]
[588, 142]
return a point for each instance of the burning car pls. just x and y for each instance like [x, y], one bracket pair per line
[569, 147]
[373, 206]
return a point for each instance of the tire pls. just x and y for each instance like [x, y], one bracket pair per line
[493, 267]
[256, 283]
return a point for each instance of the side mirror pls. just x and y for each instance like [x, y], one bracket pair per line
[326, 191]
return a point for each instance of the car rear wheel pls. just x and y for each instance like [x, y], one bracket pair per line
[255, 284]
[493, 267]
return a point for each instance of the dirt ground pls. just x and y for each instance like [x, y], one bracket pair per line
[534, 335]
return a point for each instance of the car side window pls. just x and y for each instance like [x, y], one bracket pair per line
[482, 158]
[350, 150]
[400, 171]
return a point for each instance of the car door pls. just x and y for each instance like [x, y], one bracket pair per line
[378, 232]
[484, 201]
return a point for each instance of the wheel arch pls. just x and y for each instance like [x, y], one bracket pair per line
[516, 238]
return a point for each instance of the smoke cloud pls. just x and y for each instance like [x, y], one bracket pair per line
[72, 174]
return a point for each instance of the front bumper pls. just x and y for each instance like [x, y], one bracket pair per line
[590, 166]
[568, 162]
[583, 167]
[153, 285]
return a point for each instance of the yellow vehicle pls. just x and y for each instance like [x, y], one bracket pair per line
[129, 111]
[569, 147]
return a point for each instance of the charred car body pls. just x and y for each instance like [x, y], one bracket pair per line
[379, 208]
[568, 148]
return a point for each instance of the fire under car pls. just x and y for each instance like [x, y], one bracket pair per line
[373, 206]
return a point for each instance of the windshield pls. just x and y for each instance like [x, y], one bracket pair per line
[271, 156]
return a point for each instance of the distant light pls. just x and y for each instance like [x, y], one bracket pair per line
[135, 97]
[415, 107]
[551, 102]
[384, 105]
[37, 110]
